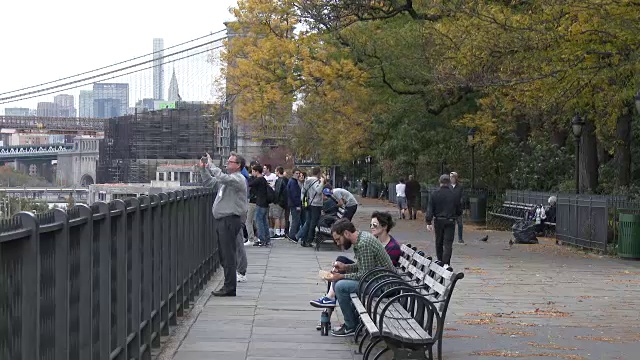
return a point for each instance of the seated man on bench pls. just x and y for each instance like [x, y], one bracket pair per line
[369, 254]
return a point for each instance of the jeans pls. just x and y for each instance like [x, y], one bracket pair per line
[295, 223]
[241, 254]
[251, 216]
[344, 288]
[459, 222]
[227, 229]
[262, 223]
[304, 225]
[444, 230]
[345, 260]
[314, 216]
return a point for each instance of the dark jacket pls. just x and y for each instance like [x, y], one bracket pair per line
[413, 189]
[252, 190]
[294, 193]
[459, 191]
[280, 188]
[443, 204]
[258, 186]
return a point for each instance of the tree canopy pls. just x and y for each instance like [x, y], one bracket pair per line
[405, 80]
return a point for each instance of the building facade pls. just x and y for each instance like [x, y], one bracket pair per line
[65, 105]
[85, 104]
[16, 112]
[110, 100]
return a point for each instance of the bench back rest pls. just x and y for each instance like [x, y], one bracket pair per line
[406, 257]
[419, 268]
[439, 282]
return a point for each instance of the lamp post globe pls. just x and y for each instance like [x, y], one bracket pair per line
[576, 126]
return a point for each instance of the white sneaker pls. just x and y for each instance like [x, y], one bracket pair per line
[241, 278]
[248, 243]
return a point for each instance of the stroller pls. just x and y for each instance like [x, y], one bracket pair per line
[332, 213]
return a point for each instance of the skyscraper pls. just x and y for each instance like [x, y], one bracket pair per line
[174, 91]
[65, 105]
[110, 100]
[158, 71]
[16, 111]
[85, 104]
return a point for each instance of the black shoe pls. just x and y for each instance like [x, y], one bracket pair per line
[342, 331]
[223, 292]
[305, 244]
[460, 241]
[258, 243]
[291, 239]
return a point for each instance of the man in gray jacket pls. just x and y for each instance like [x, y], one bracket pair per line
[228, 209]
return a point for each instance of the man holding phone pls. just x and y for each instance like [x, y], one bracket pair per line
[228, 209]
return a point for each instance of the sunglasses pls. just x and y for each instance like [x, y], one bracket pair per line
[374, 225]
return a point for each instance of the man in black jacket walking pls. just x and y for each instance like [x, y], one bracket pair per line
[442, 211]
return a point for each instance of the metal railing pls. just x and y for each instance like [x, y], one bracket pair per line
[103, 282]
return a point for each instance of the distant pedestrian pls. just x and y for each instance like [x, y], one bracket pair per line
[459, 191]
[401, 197]
[443, 210]
[412, 192]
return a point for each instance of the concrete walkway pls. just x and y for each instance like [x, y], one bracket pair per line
[534, 302]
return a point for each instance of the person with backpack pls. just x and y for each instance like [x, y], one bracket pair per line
[312, 200]
[261, 188]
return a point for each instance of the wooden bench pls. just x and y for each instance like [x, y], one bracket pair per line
[405, 308]
[510, 212]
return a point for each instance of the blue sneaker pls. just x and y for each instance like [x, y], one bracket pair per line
[323, 302]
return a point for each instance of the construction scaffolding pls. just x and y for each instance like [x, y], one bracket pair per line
[135, 145]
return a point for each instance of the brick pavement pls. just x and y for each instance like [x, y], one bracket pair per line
[528, 301]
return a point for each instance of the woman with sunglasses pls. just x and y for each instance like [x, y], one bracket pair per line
[381, 224]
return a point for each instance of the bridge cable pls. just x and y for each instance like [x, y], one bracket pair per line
[112, 65]
[109, 78]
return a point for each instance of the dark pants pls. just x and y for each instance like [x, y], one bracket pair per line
[295, 223]
[444, 229]
[314, 215]
[227, 229]
[412, 205]
[349, 211]
[287, 222]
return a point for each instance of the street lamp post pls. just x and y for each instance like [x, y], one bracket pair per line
[470, 136]
[576, 126]
[368, 160]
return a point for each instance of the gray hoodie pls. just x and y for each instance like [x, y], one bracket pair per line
[313, 186]
[232, 191]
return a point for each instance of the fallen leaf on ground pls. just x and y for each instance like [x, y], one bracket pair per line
[600, 338]
[550, 346]
[477, 322]
[504, 353]
[460, 336]
[523, 324]
[512, 332]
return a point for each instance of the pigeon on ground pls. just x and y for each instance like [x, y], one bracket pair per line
[485, 238]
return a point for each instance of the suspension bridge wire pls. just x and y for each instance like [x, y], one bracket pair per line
[110, 72]
[112, 65]
[111, 78]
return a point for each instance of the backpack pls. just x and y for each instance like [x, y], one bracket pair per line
[271, 195]
[305, 196]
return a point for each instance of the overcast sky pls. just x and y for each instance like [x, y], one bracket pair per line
[48, 40]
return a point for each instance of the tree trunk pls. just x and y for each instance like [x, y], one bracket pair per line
[559, 137]
[589, 159]
[623, 149]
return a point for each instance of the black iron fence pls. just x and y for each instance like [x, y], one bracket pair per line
[103, 282]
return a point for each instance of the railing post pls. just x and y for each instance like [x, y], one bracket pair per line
[165, 266]
[30, 339]
[134, 243]
[147, 312]
[155, 224]
[173, 262]
[119, 284]
[102, 241]
[79, 223]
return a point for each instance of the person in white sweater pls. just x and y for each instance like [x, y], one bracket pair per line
[401, 198]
